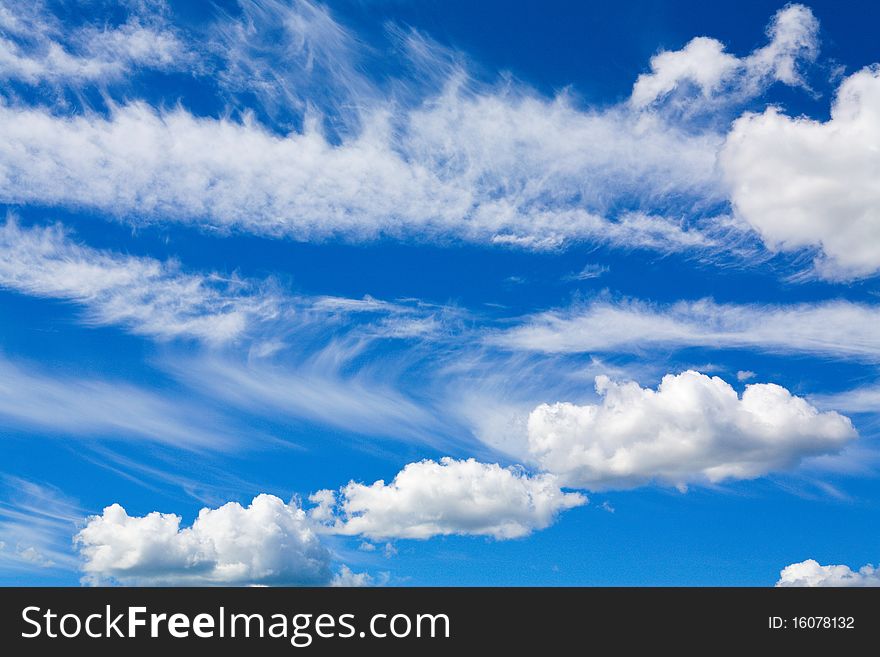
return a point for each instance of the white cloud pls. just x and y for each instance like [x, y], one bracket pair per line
[692, 429]
[745, 375]
[270, 542]
[840, 329]
[793, 34]
[428, 499]
[36, 522]
[864, 399]
[402, 319]
[802, 183]
[590, 271]
[267, 542]
[498, 166]
[290, 55]
[35, 48]
[93, 407]
[149, 296]
[454, 159]
[810, 573]
[704, 63]
[159, 299]
[347, 578]
[362, 402]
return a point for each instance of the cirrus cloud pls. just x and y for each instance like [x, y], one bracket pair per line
[837, 328]
[35, 49]
[149, 296]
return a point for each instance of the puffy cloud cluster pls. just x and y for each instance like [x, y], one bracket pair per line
[802, 183]
[811, 573]
[428, 499]
[270, 542]
[267, 542]
[692, 428]
[793, 34]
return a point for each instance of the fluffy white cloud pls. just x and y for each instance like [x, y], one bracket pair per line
[149, 296]
[692, 429]
[270, 542]
[811, 573]
[348, 578]
[34, 48]
[794, 38]
[702, 62]
[833, 328]
[804, 183]
[267, 542]
[428, 499]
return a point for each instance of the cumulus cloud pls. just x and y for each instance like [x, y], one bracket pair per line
[703, 62]
[348, 578]
[840, 329]
[270, 542]
[811, 573]
[35, 48]
[267, 542]
[693, 428]
[802, 183]
[148, 296]
[428, 499]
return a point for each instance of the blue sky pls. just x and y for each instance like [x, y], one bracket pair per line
[393, 293]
